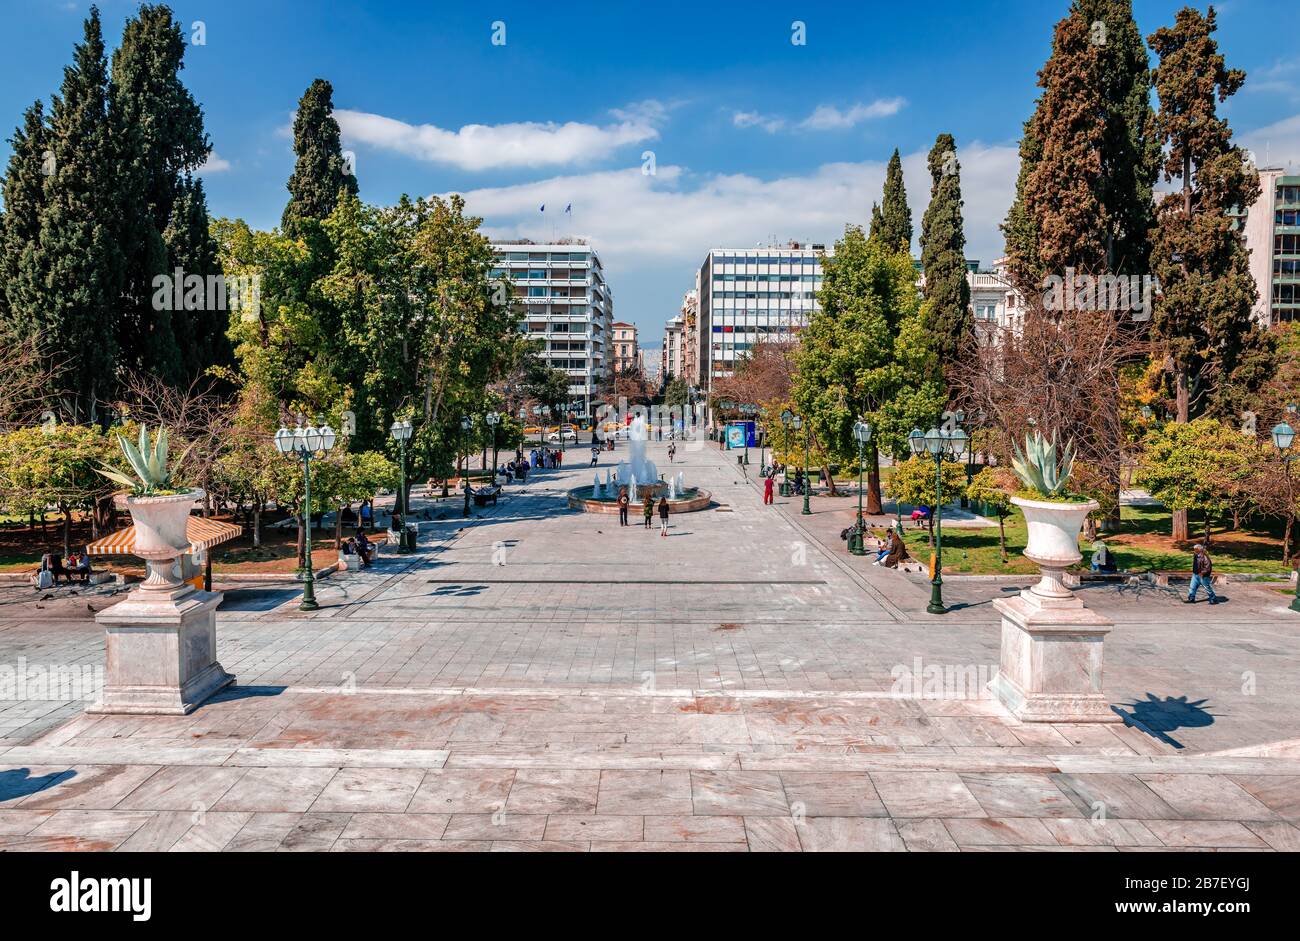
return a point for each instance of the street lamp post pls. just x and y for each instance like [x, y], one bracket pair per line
[493, 419]
[401, 432]
[796, 424]
[940, 445]
[862, 434]
[787, 419]
[466, 423]
[302, 444]
[1283, 438]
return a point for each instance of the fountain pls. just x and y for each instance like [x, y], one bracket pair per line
[638, 474]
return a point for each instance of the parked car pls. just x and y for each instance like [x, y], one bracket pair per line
[567, 431]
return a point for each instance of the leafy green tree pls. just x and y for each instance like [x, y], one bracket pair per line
[990, 488]
[1196, 466]
[913, 482]
[895, 216]
[946, 313]
[676, 393]
[54, 466]
[320, 173]
[865, 356]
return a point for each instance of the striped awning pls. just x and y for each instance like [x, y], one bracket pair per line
[203, 534]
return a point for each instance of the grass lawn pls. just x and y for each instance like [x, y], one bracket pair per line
[1142, 544]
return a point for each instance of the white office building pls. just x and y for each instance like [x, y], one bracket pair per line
[567, 304]
[747, 296]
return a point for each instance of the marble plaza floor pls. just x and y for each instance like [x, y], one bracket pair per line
[537, 679]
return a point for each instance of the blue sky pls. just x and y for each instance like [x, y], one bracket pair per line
[753, 137]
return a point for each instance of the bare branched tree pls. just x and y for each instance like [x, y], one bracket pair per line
[1055, 373]
[199, 421]
[26, 382]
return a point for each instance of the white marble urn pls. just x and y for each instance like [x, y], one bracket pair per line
[161, 525]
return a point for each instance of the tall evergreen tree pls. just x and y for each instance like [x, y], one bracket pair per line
[320, 171]
[71, 279]
[20, 226]
[945, 315]
[1089, 155]
[157, 133]
[895, 217]
[877, 222]
[1088, 164]
[1213, 349]
[191, 247]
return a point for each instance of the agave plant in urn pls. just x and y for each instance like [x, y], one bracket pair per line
[1053, 515]
[159, 511]
[1051, 652]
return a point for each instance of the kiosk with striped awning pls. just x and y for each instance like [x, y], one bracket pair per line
[203, 534]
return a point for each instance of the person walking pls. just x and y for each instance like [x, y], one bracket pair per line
[622, 506]
[672, 451]
[769, 485]
[663, 516]
[1202, 574]
[595, 455]
[648, 509]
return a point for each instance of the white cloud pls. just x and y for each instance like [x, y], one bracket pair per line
[523, 144]
[214, 164]
[831, 118]
[769, 123]
[1276, 145]
[675, 216]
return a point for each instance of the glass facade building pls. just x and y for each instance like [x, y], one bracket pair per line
[748, 296]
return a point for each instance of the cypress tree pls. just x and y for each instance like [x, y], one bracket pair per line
[895, 217]
[200, 333]
[70, 280]
[320, 171]
[877, 222]
[1214, 351]
[20, 226]
[157, 130]
[945, 315]
[1088, 155]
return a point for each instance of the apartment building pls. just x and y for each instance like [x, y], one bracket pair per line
[626, 355]
[564, 301]
[1272, 232]
[673, 351]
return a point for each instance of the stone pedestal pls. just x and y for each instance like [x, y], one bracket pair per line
[1051, 664]
[160, 652]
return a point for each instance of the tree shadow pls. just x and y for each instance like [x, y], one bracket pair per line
[17, 783]
[1157, 717]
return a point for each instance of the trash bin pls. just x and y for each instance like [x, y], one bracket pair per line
[410, 536]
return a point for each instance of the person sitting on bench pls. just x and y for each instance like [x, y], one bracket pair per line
[363, 548]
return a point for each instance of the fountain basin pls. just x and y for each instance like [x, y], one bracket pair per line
[694, 499]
